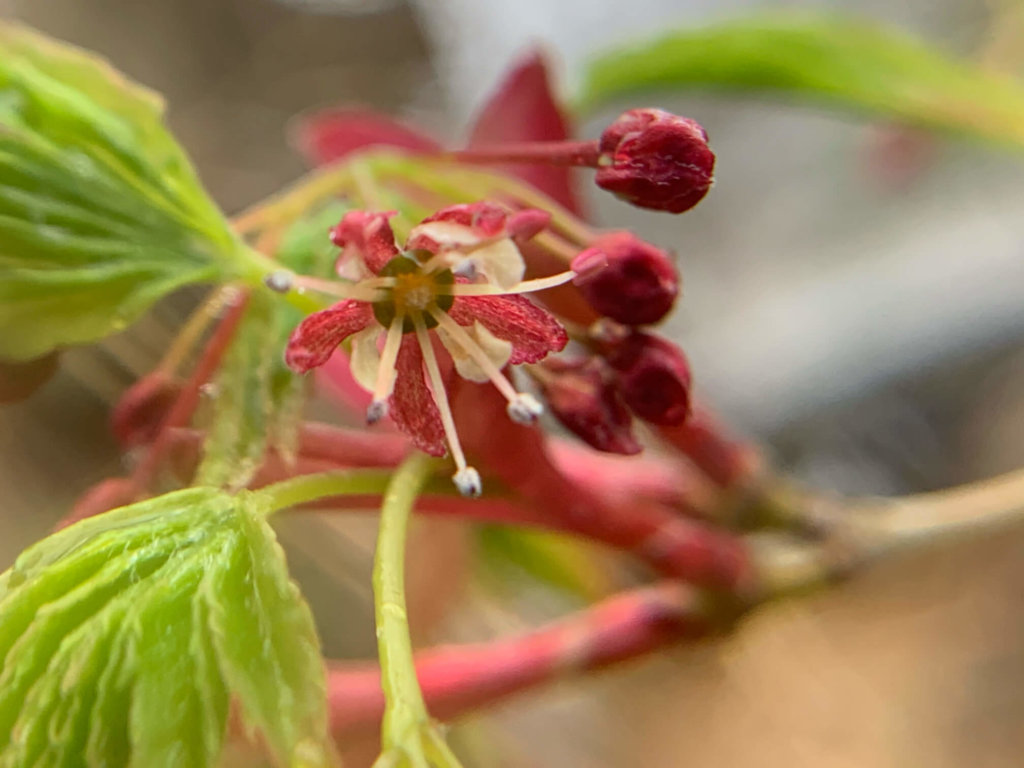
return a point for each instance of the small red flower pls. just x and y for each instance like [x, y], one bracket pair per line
[654, 159]
[461, 275]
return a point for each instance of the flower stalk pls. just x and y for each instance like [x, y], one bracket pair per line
[406, 726]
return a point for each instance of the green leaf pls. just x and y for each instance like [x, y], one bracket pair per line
[124, 638]
[259, 399]
[101, 213]
[827, 59]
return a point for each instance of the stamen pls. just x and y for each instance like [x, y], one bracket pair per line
[279, 281]
[466, 341]
[466, 479]
[526, 286]
[376, 411]
[386, 371]
[368, 290]
[456, 258]
[524, 409]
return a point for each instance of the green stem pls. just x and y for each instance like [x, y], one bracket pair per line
[853, 533]
[461, 182]
[282, 209]
[306, 488]
[405, 712]
[988, 506]
[437, 174]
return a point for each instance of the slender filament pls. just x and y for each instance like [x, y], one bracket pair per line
[440, 396]
[389, 355]
[464, 340]
[526, 286]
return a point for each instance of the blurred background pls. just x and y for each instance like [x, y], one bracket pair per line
[854, 298]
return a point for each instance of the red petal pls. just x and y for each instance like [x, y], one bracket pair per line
[412, 405]
[369, 233]
[324, 137]
[534, 332]
[525, 109]
[316, 338]
[488, 219]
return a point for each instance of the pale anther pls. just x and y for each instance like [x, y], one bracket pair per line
[467, 480]
[376, 411]
[279, 281]
[524, 408]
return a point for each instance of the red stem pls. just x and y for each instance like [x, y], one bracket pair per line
[727, 462]
[457, 679]
[650, 476]
[118, 491]
[573, 153]
[352, 447]
[673, 545]
[679, 547]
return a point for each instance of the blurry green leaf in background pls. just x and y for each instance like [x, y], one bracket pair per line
[564, 563]
[825, 59]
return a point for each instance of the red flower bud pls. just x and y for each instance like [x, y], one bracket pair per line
[653, 377]
[580, 395]
[137, 417]
[627, 279]
[654, 159]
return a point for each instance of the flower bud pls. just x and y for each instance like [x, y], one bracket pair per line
[137, 417]
[626, 279]
[654, 159]
[580, 395]
[653, 378]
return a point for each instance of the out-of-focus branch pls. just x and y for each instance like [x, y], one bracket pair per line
[854, 532]
[457, 679]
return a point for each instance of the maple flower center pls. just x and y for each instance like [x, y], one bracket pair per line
[416, 292]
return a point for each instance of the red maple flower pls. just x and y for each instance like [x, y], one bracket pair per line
[461, 275]
[522, 131]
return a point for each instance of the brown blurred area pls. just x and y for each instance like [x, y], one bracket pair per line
[919, 663]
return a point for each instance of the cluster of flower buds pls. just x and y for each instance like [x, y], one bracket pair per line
[460, 271]
[627, 371]
[655, 160]
[459, 279]
[648, 157]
